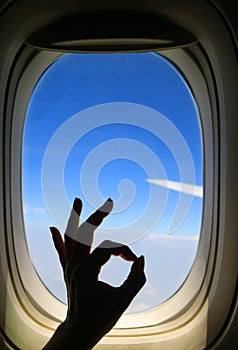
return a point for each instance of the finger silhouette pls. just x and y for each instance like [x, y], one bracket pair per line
[72, 226]
[97, 217]
[105, 250]
[135, 280]
[59, 246]
[84, 237]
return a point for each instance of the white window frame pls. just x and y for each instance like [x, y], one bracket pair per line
[192, 315]
[45, 308]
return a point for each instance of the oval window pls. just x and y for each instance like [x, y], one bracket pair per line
[124, 126]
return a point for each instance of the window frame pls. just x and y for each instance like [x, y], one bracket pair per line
[26, 313]
[168, 311]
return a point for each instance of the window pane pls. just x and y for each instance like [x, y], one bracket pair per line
[124, 126]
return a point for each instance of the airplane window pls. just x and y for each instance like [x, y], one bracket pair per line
[124, 126]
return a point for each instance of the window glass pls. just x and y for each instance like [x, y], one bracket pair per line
[124, 126]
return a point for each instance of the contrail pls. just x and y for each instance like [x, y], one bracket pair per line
[193, 190]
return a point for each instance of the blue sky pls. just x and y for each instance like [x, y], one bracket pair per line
[115, 158]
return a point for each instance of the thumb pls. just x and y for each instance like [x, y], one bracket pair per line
[135, 280]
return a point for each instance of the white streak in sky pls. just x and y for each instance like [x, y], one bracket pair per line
[196, 191]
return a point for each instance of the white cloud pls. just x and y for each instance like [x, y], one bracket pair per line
[33, 210]
[169, 236]
[59, 277]
[196, 191]
[150, 290]
[152, 236]
[139, 307]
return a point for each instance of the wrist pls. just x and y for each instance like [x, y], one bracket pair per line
[70, 336]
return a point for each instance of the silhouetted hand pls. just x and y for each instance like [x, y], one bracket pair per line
[93, 306]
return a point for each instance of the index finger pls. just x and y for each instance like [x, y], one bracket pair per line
[105, 250]
[97, 217]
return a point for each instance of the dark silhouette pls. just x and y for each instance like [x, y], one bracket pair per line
[93, 306]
